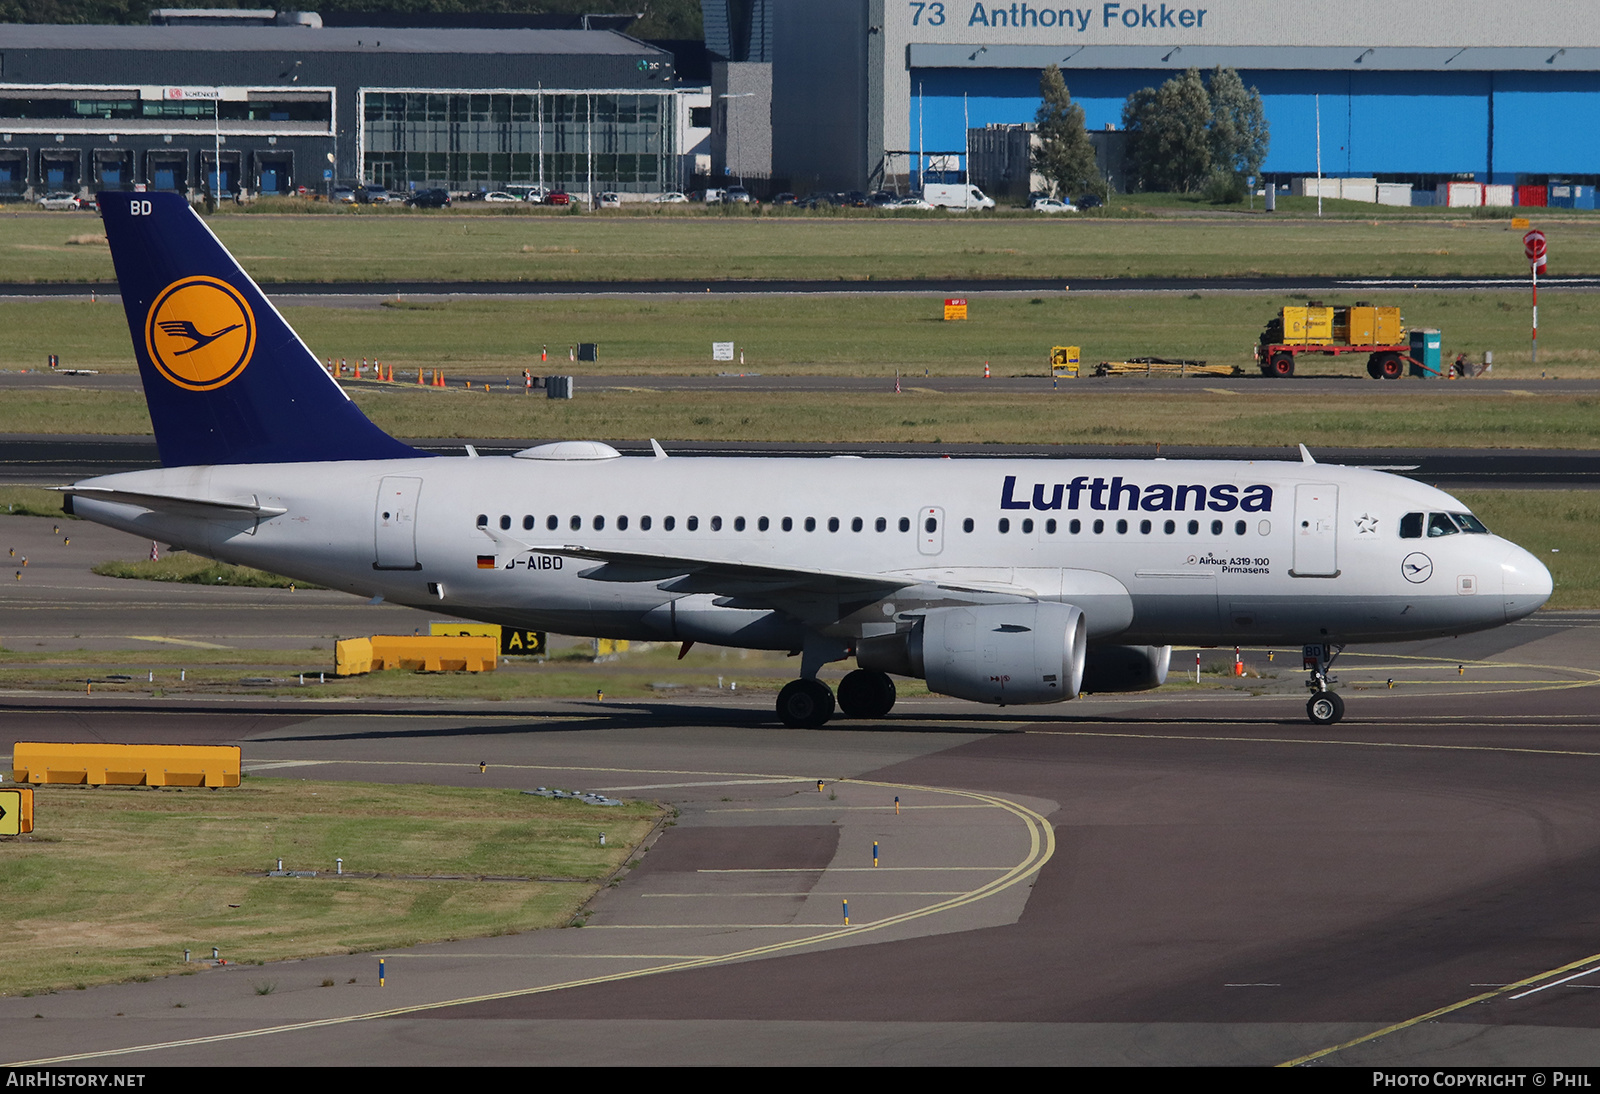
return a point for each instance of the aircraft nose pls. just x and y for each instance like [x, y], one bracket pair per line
[1526, 582]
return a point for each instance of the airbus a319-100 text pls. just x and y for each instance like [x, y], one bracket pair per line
[995, 580]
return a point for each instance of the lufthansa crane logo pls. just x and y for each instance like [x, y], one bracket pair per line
[200, 333]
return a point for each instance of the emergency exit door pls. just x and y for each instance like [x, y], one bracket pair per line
[395, 524]
[1316, 526]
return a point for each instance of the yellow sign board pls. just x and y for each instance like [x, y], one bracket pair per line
[16, 810]
[1521, 222]
[955, 307]
[610, 647]
[1064, 359]
[513, 642]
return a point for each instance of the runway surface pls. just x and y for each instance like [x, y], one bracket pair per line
[54, 460]
[1152, 879]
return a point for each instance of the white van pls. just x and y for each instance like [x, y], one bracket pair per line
[956, 195]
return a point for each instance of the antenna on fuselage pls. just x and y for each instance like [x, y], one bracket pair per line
[1305, 455]
[655, 446]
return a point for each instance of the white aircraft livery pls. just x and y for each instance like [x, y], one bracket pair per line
[1002, 581]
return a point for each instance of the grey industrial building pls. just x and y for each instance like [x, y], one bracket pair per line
[300, 105]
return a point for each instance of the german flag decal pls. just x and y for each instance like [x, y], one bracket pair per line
[485, 562]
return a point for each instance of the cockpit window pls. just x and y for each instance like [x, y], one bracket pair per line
[1470, 523]
[1440, 524]
[1411, 526]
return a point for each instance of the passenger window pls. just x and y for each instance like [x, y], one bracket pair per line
[1265, 527]
[644, 524]
[622, 524]
[599, 524]
[855, 525]
[905, 524]
[1440, 524]
[763, 524]
[1005, 525]
[1050, 526]
[1122, 527]
[1411, 526]
[1216, 527]
[738, 524]
[833, 524]
[931, 524]
[1194, 527]
[967, 525]
[1144, 528]
[668, 523]
[1099, 527]
[692, 524]
[716, 524]
[811, 524]
[1170, 527]
[552, 522]
[881, 525]
[528, 523]
[577, 523]
[1027, 525]
[505, 523]
[1075, 526]
[788, 524]
[483, 520]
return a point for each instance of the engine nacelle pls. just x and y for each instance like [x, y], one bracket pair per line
[1125, 668]
[993, 653]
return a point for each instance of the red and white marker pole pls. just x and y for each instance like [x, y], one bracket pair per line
[1533, 245]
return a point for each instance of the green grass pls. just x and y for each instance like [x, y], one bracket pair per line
[116, 884]
[474, 245]
[30, 501]
[193, 570]
[1558, 526]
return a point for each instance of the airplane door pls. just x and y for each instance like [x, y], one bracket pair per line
[1316, 523]
[930, 530]
[395, 524]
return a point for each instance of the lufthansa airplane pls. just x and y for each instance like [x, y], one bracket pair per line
[1004, 581]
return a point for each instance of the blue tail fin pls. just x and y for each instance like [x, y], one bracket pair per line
[226, 378]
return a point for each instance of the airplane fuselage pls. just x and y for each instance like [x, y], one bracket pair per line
[1153, 552]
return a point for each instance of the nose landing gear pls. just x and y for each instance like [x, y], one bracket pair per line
[1325, 707]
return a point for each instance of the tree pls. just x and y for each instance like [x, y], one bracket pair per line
[1238, 125]
[1168, 128]
[1064, 156]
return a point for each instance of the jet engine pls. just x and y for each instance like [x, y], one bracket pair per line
[992, 653]
[1125, 668]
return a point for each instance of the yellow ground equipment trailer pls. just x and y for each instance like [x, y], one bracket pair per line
[1317, 328]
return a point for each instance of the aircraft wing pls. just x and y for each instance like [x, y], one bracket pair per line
[752, 582]
[176, 504]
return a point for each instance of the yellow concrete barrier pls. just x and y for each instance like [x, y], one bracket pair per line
[352, 656]
[126, 765]
[456, 653]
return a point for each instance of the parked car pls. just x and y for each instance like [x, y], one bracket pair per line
[956, 195]
[856, 198]
[1051, 205]
[429, 199]
[784, 198]
[501, 197]
[58, 200]
[372, 195]
[883, 199]
[609, 199]
[915, 204]
[671, 198]
[736, 195]
[1089, 201]
[713, 196]
[343, 195]
[558, 197]
[536, 195]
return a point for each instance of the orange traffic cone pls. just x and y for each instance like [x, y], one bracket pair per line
[986, 370]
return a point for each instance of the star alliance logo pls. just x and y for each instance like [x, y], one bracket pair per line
[1366, 525]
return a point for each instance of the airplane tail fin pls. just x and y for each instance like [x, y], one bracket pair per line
[226, 378]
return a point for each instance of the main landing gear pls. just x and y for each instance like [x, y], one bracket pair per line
[808, 704]
[1325, 707]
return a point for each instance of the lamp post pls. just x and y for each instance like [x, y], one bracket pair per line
[732, 132]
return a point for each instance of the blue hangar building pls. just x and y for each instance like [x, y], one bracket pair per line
[1423, 91]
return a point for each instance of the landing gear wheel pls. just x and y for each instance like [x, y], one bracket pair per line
[805, 704]
[1282, 364]
[1325, 708]
[865, 693]
[1390, 367]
